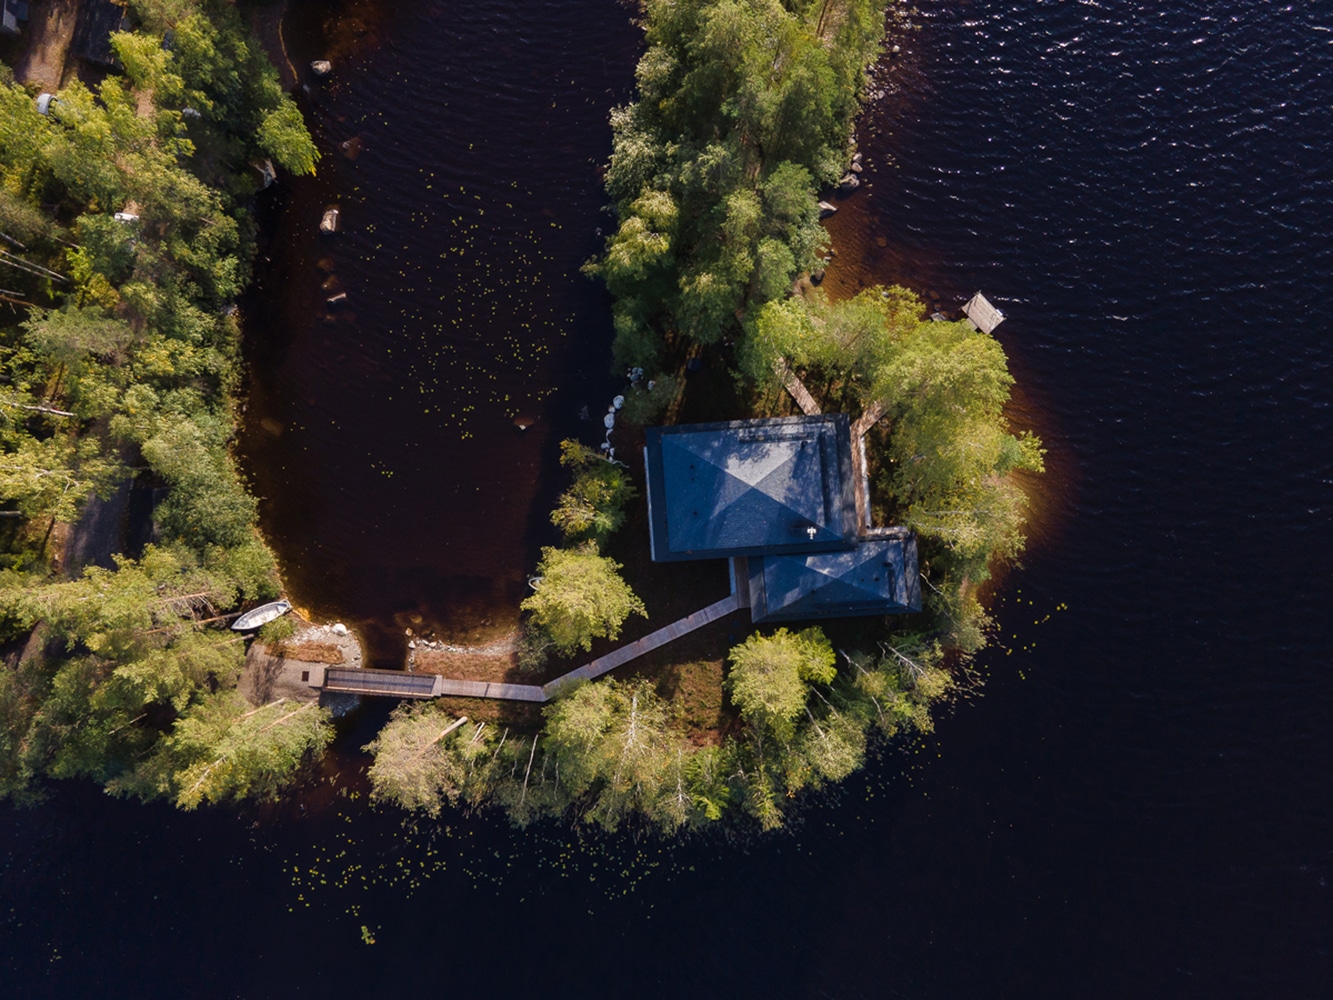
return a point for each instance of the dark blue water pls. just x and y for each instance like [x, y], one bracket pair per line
[1138, 805]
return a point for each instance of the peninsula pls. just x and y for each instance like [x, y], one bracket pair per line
[846, 465]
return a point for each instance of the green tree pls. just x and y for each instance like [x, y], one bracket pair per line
[594, 506]
[413, 767]
[283, 135]
[617, 754]
[580, 596]
[769, 676]
[50, 479]
[225, 750]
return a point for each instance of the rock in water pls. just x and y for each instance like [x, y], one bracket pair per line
[826, 209]
[321, 67]
[849, 183]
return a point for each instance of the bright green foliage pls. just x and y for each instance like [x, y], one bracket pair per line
[49, 479]
[948, 458]
[225, 750]
[284, 134]
[141, 657]
[896, 687]
[608, 754]
[769, 675]
[617, 755]
[744, 107]
[594, 506]
[412, 766]
[129, 359]
[110, 611]
[580, 597]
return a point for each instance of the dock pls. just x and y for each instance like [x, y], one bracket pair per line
[981, 314]
[387, 683]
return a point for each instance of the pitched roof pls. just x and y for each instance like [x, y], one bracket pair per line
[748, 487]
[878, 577]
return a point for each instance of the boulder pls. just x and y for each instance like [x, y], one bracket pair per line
[849, 183]
[321, 67]
[826, 209]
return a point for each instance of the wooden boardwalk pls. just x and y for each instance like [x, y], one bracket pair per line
[402, 684]
[797, 388]
[389, 683]
[647, 644]
[874, 412]
[490, 689]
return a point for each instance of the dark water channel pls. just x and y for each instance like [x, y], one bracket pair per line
[1138, 803]
[403, 439]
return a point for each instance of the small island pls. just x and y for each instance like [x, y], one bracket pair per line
[844, 465]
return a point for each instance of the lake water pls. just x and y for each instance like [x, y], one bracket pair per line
[1138, 803]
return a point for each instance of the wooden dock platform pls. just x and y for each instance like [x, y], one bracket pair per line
[402, 684]
[981, 314]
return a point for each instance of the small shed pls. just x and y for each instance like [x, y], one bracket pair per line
[750, 487]
[12, 13]
[878, 577]
[984, 316]
[98, 19]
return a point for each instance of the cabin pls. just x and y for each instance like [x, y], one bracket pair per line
[778, 498]
[877, 577]
[750, 487]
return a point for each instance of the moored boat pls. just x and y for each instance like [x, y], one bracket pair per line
[261, 615]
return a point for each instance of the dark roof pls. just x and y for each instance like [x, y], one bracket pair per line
[14, 11]
[750, 487]
[878, 577]
[92, 32]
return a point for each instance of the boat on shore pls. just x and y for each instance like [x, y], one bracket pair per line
[261, 615]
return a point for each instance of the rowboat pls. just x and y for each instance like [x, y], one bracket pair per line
[261, 615]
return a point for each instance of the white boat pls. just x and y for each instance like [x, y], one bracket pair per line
[261, 615]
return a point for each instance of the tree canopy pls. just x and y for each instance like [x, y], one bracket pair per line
[127, 237]
[580, 597]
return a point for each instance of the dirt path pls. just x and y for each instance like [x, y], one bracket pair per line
[50, 30]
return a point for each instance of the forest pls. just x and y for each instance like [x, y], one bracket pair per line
[126, 237]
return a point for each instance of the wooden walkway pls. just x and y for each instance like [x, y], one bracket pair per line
[647, 644]
[860, 470]
[402, 684]
[797, 388]
[389, 683]
[491, 689]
